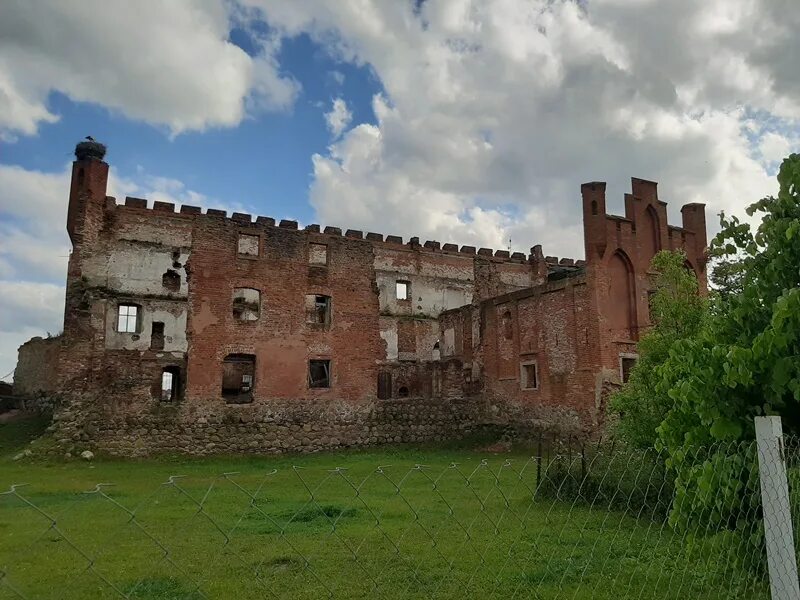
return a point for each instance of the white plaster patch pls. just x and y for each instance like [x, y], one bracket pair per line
[164, 232]
[449, 342]
[429, 296]
[248, 244]
[390, 337]
[138, 269]
[172, 315]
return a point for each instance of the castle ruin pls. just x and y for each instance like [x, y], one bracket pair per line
[200, 332]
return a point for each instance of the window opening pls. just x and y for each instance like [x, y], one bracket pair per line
[319, 373]
[170, 384]
[384, 385]
[238, 378]
[128, 318]
[246, 304]
[318, 309]
[402, 391]
[402, 290]
[529, 376]
[627, 366]
[157, 336]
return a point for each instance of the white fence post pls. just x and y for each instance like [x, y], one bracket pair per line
[777, 513]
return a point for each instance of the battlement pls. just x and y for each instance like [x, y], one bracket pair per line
[643, 230]
[644, 194]
[389, 241]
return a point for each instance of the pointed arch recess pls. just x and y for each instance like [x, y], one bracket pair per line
[621, 297]
[652, 231]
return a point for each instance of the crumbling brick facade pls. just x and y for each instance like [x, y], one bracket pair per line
[201, 332]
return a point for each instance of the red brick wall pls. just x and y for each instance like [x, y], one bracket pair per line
[549, 327]
[618, 254]
[574, 324]
[576, 328]
[281, 339]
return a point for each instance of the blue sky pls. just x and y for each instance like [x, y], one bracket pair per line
[264, 163]
[464, 121]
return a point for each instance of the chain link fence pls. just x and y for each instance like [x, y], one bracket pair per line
[572, 521]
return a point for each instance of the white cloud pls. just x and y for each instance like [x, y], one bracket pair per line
[166, 63]
[338, 118]
[774, 147]
[495, 111]
[35, 247]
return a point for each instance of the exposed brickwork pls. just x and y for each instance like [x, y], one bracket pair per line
[481, 337]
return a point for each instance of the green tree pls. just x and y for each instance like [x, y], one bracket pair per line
[677, 311]
[744, 362]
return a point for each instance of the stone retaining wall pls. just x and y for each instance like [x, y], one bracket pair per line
[280, 427]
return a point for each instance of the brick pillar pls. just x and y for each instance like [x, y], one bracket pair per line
[594, 219]
[694, 220]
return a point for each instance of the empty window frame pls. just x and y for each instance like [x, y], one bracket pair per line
[626, 364]
[238, 378]
[529, 375]
[318, 254]
[403, 290]
[384, 385]
[246, 304]
[248, 245]
[319, 373]
[157, 336]
[170, 384]
[318, 309]
[128, 318]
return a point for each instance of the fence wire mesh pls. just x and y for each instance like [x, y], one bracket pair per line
[572, 521]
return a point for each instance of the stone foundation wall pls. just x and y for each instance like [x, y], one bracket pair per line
[280, 427]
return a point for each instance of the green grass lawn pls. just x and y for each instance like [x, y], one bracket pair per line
[390, 523]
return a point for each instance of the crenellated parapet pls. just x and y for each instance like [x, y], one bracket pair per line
[385, 240]
[619, 252]
[643, 230]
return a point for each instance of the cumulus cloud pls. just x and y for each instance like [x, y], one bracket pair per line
[166, 63]
[35, 247]
[491, 113]
[494, 112]
[338, 118]
[774, 147]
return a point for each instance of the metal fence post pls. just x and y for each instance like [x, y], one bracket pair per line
[777, 512]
